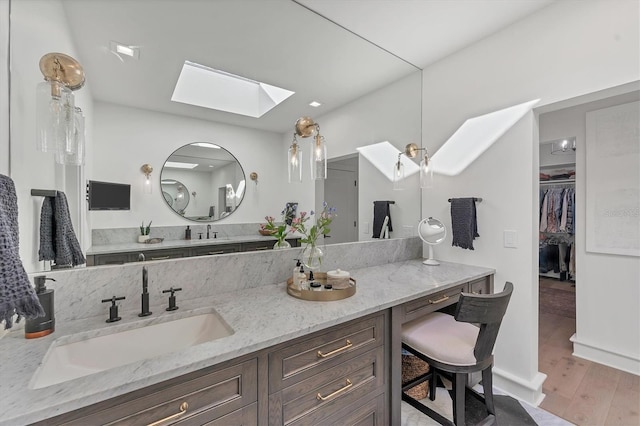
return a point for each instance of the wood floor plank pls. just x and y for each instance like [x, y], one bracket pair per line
[594, 396]
[566, 377]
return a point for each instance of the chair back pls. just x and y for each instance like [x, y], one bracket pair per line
[487, 311]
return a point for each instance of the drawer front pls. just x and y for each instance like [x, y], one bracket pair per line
[426, 305]
[110, 259]
[246, 416]
[164, 254]
[371, 413]
[319, 397]
[480, 286]
[306, 358]
[259, 245]
[216, 249]
[218, 393]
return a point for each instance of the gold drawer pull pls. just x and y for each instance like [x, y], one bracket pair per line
[160, 258]
[345, 347]
[339, 391]
[182, 412]
[442, 299]
[216, 252]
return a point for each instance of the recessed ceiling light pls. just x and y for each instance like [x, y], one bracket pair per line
[315, 104]
[206, 87]
[123, 49]
[177, 165]
[206, 145]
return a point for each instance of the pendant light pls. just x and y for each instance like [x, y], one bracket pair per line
[398, 174]
[306, 127]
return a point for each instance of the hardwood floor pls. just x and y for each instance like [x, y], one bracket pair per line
[580, 391]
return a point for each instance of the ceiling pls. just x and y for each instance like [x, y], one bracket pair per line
[295, 45]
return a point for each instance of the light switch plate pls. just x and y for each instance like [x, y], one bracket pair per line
[510, 239]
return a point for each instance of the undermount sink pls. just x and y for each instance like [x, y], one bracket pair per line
[69, 361]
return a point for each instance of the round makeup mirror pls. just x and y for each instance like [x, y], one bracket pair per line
[432, 232]
[202, 182]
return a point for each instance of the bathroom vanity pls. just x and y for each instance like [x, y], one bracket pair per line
[288, 361]
[118, 254]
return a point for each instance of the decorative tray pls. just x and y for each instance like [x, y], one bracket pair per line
[324, 295]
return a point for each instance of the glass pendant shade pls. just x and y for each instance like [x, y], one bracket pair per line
[294, 161]
[319, 158]
[398, 176]
[426, 172]
[55, 121]
[147, 188]
[72, 153]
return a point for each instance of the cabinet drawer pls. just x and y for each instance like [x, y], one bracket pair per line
[218, 393]
[371, 413]
[216, 249]
[311, 400]
[304, 358]
[433, 302]
[163, 254]
[258, 245]
[109, 259]
[480, 286]
[246, 416]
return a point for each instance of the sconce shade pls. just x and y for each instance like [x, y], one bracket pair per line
[426, 172]
[398, 175]
[319, 158]
[59, 123]
[147, 186]
[294, 161]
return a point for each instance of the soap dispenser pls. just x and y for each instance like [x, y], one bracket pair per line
[42, 326]
[296, 271]
[187, 233]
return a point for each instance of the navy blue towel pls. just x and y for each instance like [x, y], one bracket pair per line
[464, 225]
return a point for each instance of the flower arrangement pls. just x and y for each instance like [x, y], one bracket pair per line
[145, 230]
[277, 230]
[312, 254]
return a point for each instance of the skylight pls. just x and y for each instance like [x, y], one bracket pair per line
[383, 156]
[206, 87]
[176, 165]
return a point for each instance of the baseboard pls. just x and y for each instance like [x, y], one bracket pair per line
[527, 391]
[602, 356]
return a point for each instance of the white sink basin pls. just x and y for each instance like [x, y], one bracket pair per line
[69, 361]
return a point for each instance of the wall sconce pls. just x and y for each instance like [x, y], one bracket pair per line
[306, 127]
[426, 167]
[254, 177]
[563, 146]
[294, 161]
[59, 123]
[147, 187]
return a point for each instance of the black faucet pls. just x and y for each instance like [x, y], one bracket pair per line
[113, 309]
[172, 298]
[208, 229]
[145, 293]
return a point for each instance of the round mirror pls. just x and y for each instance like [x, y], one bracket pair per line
[432, 232]
[202, 182]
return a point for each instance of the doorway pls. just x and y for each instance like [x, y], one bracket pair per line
[341, 192]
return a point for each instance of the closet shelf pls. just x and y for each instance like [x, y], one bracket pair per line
[558, 166]
[556, 181]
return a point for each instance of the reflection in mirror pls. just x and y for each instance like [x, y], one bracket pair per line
[202, 182]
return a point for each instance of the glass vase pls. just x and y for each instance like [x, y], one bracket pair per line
[281, 244]
[312, 256]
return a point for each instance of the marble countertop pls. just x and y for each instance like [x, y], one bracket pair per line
[171, 244]
[260, 317]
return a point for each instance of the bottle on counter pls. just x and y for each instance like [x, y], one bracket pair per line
[302, 279]
[187, 233]
[42, 326]
[296, 271]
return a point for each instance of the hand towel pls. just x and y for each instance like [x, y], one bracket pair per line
[17, 295]
[464, 225]
[58, 241]
[380, 211]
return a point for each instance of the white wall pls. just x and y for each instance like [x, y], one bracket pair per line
[126, 138]
[39, 27]
[567, 49]
[603, 280]
[4, 87]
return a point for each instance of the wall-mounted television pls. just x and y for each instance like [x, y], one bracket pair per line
[108, 196]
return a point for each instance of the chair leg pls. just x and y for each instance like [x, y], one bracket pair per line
[433, 384]
[487, 386]
[459, 389]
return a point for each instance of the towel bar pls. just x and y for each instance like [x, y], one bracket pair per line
[44, 193]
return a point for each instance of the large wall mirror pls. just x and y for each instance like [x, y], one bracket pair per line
[202, 182]
[131, 119]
